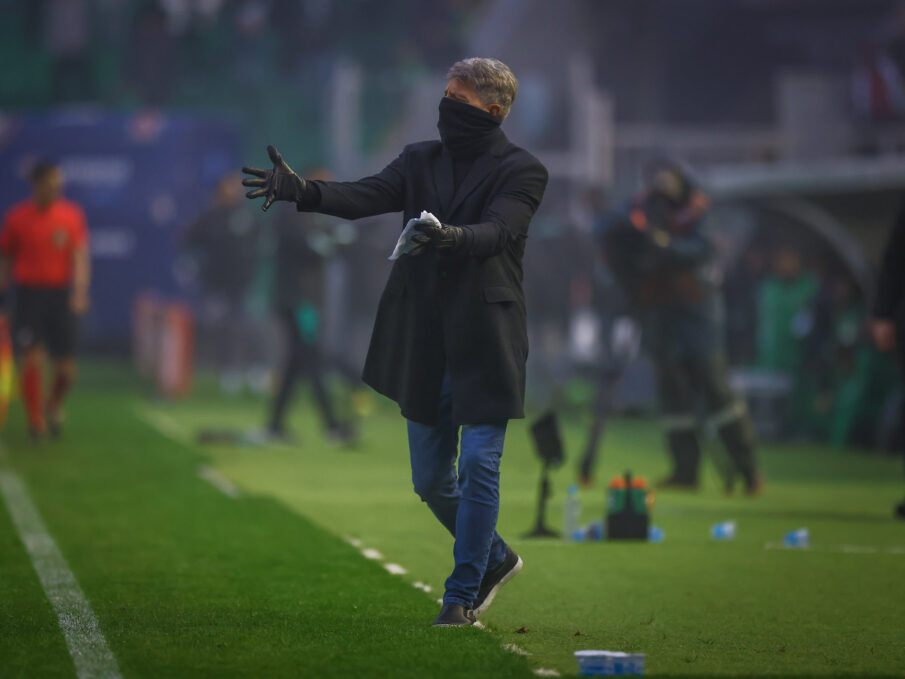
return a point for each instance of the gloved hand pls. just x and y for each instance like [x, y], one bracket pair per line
[441, 237]
[280, 183]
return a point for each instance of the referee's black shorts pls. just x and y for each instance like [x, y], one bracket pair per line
[42, 317]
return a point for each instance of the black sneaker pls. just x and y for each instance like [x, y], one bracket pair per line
[454, 615]
[495, 579]
[900, 510]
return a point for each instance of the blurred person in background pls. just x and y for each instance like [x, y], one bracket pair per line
[618, 341]
[67, 39]
[301, 248]
[852, 378]
[152, 57]
[785, 311]
[44, 251]
[888, 323]
[786, 316]
[660, 255]
[450, 341]
[740, 291]
[224, 240]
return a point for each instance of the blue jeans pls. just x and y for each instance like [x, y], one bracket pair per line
[467, 504]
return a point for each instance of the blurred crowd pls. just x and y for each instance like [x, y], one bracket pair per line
[878, 82]
[276, 55]
[793, 311]
[794, 319]
[791, 308]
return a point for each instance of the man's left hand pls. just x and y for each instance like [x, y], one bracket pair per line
[440, 237]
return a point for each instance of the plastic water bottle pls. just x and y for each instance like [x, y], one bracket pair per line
[723, 531]
[799, 539]
[571, 514]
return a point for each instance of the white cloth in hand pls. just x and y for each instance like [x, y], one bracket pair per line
[405, 243]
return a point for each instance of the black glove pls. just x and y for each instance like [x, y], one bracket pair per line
[441, 237]
[280, 183]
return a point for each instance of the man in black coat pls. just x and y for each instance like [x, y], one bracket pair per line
[888, 324]
[449, 342]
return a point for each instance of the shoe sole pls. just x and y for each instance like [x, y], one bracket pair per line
[496, 588]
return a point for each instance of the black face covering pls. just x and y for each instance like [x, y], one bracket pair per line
[466, 130]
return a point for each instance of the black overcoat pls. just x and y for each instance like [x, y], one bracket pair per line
[462, 311]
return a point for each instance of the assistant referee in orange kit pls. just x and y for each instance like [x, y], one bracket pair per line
[44, 249]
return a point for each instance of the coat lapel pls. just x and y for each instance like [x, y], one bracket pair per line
[449, 196]
[477, 173]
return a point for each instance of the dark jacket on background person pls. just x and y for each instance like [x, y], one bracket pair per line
[298, 268]
[463, 311]
[225, 241]
[669, 288]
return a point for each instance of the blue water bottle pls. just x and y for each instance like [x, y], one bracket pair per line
[797, 539]
[723, 531]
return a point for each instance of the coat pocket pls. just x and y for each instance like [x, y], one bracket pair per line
[499, 293]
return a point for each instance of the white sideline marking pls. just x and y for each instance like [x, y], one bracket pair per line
[174, 430]
[837, 549]
[164, 424]
[218, 481]
[858, 549]
[515, 648]
[87, 646]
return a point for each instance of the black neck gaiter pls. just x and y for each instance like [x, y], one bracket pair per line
[465, 130]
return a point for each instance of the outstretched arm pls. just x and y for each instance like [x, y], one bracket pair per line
[372, 195]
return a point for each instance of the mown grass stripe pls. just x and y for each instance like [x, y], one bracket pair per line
[87, 646]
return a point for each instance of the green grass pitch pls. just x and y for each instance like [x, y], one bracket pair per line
[187, 581]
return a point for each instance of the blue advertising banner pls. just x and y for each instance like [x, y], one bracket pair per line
[140, 179]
